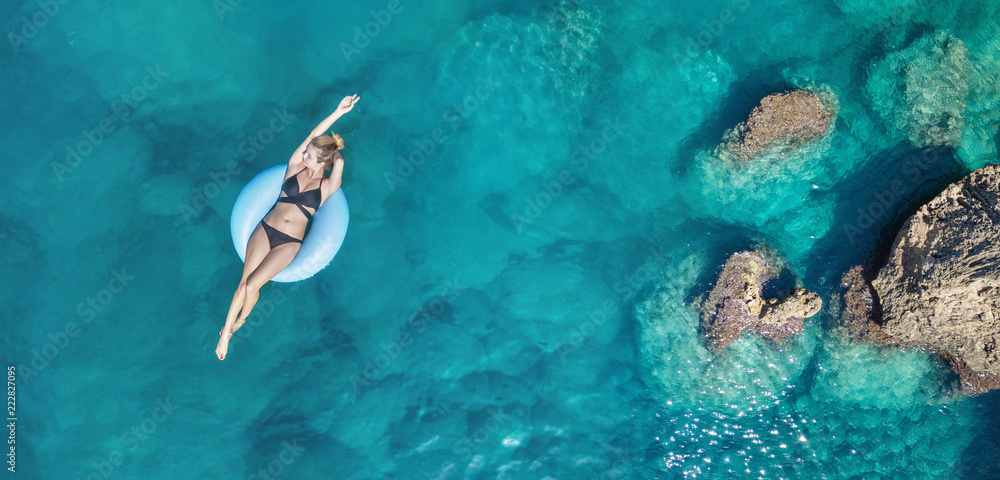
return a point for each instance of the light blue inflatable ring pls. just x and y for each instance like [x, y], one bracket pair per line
[323, 240]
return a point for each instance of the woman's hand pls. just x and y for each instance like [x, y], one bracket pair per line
[347, 104]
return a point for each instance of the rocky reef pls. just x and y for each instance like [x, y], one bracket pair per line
[736, 303]
[921, 91]
[940, 286]
[577, 33]
[782, 122]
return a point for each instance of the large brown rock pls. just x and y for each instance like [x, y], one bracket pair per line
[735, 304]
[940, 287]
[782, 121]
[941, 283]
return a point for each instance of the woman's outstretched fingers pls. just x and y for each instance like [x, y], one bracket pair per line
[348, 103]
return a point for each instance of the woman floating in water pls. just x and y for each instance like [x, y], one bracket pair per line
[278, 237]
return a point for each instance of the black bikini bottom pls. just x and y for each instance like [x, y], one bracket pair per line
[276, 237]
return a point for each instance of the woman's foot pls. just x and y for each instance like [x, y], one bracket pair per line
[223, 347]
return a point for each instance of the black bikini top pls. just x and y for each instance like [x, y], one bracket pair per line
[309, 198]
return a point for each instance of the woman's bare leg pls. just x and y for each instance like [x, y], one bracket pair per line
[257, 248]
[274, 262]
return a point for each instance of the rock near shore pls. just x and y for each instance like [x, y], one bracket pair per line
[736, 304]
[782, 122]
[940, 287]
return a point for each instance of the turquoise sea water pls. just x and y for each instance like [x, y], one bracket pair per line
[536, 207]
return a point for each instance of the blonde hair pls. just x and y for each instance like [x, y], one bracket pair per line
[327, 146]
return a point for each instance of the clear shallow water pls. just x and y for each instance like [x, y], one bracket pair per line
[519, 304]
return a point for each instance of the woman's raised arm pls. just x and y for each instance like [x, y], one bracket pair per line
[345, 106]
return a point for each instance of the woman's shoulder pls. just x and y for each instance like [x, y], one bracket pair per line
[294, 165]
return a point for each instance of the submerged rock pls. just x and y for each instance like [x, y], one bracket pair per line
[922, 90]
[736, 304]
[782, 121]
[577, 32]
[940, 287]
